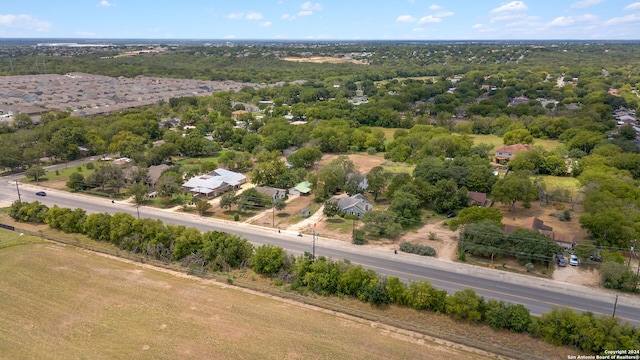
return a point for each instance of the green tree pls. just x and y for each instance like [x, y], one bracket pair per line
[202, 206]
[513, 188]
[476, 214]
[397, 291]
[98, 226]
[381, 224]
[355, 280]
[228, 199]
[75, 181]
[406, 207]
[268, 260]
[35, 172]
[518, 136]
[138, 191]
[421, 295]
[465, 305]
[377, 179]
[305, 157]
[331, 208]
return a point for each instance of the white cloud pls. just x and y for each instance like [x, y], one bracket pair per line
[310, 6]
[248, 16]
[25, 22]
[287, 17]
[443, 14]
[508, 17]
[634, 6]
[624, 19]
[435, 7]
[570, 20]
[478, 26]
[418, 29]
[514, 6]
[305, 13]
[254, 16]
[585, 4]
[265, 24]
[405, 19]
[230, 37]
[105, 3]
[429, 19]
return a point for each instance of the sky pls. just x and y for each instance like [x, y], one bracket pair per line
[323, 19]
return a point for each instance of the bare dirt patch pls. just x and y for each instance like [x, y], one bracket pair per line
[363, 162]
[546, 214]
[324, 59]
[577, 275]
[436, 235]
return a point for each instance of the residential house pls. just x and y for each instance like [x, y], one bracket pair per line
[567, 241]
[354, 205]
[302, 189]
[236, 114]
[155, 172]
[273, 193]
[518, 100]
[476, 198]
[508, 152]
[214, 183]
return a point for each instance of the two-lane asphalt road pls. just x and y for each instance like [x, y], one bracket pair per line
[538, 295]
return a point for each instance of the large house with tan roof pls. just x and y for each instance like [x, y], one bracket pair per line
[508, 152]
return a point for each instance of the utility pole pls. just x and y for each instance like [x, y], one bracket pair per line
[273, 215]
[313, 244]
[614, 307]
[631, 253]
[138, 210]
[18, 189]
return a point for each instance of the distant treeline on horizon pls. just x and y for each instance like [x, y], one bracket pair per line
[196, 42]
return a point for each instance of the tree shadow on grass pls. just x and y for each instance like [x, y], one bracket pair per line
[336, 220]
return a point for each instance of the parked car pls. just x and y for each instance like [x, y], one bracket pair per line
[41, 193]
[451, 214]
[573, 260]
[562, 262]
[595, 258]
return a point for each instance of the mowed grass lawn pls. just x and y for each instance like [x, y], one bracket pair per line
[60, 302]
[496, 141]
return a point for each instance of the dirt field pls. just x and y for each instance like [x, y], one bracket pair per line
[324, 59]
[76, 304]
[363, 162]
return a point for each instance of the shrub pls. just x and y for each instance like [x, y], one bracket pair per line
[358, 237]
[422, 250]
[89, 166]
[236, 217]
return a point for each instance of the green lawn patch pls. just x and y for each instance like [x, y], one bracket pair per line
[496, 141]
[340, 224]
[560, 182]
[398, 167]
[64, 173]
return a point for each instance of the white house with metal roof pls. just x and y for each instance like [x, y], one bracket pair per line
[214, 183]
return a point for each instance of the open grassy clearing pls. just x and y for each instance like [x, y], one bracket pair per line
[561, 182]
[496, 141]
[68, 303]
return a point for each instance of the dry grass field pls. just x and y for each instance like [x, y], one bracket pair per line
[60, 302]
[324, 59]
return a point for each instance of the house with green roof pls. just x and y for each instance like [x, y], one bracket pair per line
[302, 189]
